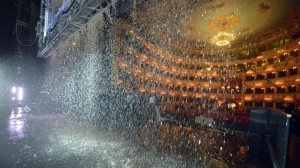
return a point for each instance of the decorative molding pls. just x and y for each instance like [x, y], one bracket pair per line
[224, 22]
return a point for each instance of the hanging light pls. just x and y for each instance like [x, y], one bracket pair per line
[222, 39]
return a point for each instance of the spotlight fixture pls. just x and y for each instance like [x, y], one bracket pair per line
[222, 39]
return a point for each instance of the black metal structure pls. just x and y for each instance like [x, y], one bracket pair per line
[71, 20]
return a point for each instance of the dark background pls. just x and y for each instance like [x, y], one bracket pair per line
[8, 17]
[8, 13]
[19, 65]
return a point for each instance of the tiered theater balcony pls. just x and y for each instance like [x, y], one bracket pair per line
[174, 75]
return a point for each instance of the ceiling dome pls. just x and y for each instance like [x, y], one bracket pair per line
[194, 26]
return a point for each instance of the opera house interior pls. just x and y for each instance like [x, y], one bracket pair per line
[235, 64]
[212, 59]
[234, 54]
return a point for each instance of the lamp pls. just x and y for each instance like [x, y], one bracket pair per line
[222, 39]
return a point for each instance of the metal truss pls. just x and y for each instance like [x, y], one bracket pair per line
[70, 22]
[41, 23]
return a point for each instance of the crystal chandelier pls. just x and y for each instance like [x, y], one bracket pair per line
[222, 39]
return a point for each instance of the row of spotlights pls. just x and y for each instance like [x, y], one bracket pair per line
[18, 93]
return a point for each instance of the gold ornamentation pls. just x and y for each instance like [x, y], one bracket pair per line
[263, 7]
[224, 23]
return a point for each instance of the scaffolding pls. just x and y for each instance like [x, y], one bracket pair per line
[70, 21]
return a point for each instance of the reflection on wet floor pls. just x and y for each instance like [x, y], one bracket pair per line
[16, 123]
[55, 140]
[37, 139]
[209, 147]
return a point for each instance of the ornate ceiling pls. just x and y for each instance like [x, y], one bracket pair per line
[192, 24]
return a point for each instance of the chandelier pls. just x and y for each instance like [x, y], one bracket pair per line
[222, 39]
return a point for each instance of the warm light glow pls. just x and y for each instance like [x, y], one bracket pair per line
[288, 99]
[278, 82]
[233, 105]
[143, 57]
[279, 51]
[119, 81]
[154, 63]
[142, 90]
[222, 39]
[171, 93]
[259, 84]
[248, 98]
[199, 73]
[137, 71]
[268, 98]
[123, 65]
[249, 72]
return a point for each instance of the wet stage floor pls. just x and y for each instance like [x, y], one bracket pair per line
[41, 139]
[36, 139]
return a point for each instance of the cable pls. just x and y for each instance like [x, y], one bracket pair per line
[20, 42]
[17, 29]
